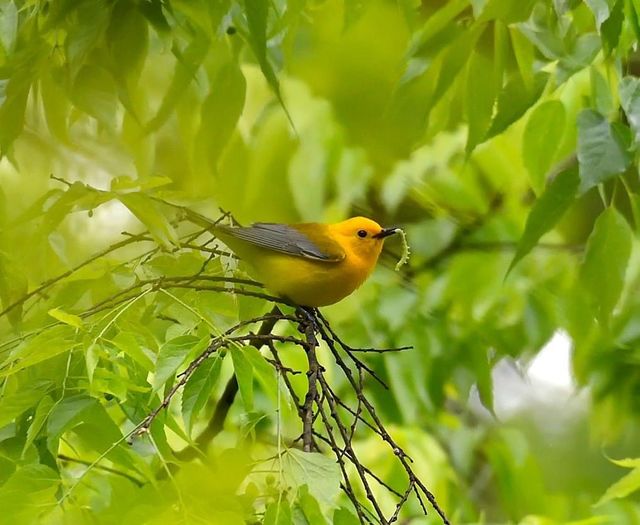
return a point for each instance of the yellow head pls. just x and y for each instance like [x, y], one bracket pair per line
[361, 237]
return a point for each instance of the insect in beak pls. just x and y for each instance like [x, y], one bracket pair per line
[385, 232]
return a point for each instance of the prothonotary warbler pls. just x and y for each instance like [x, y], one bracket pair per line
[310, 264]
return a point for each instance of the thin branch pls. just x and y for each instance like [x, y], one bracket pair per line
[404, 459]
[366, 469]
[346, 485]
[50, 282]
[145, 424]
[347, 446]
[313, 372]
[133, 479]
[216, 344]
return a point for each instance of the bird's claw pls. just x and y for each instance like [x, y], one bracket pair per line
[307, 316]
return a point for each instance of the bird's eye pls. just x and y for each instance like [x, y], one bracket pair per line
[362, 233]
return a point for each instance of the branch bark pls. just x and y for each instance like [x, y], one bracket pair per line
[313, 369]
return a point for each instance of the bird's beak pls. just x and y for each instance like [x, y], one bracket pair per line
[385, 232]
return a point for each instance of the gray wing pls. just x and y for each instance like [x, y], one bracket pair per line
[285, 239]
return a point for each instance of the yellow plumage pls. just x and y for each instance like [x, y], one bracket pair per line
[310, 264]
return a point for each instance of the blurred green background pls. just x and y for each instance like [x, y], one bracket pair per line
[501, 135]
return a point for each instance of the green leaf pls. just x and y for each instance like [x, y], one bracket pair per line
[67, 414]
[181, 264]
[92, 354]
[263, 371]
[507, 11]
[278, 513]
[187, 65]
[15, 404]
[611, 28]
[148, 214]
[220, 112]
[15, 83]
[626, 462]
[479, 98]
[454, 59]
[198, 389]
[13, 286]
[541, 138]
[501, 54]
[515, 99]
[27, 494]
[605, 262]
[623, 487]
[631, 14]
[171, 355]
[152, 11]
[84, 35]
[481, 366]
[95, 428]
[547, 211]
[129, 345]
[603, 150]
[94, 92]
[344, 517]
[45, 345]
[524, 53]
[127, 38]
[353, 11]
[438, 21]
[257, 12]
[244, 375]
[629, 90]
[581, 54]
[320, 473]
[601, 10]
[310, 507]
[66, 318]
[44, 408]
[55, 103]
[8, 26]
[601, 93]
[77, 197]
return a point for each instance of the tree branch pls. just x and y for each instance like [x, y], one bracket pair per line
[69, 459]
[313, 370]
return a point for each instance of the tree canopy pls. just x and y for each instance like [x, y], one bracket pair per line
[145, 378]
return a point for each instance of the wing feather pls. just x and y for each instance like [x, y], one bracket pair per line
[286, 239]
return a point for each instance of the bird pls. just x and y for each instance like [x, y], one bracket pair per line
[309, 264]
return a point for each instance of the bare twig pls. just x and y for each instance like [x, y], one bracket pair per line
[216, 344]
[313, 371]
[419, 487]
[50, 282]
[145, 424]
[116, 472]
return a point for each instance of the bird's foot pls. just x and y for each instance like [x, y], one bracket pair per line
[308, 318]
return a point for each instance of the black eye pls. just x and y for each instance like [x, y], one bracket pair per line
[362, 233]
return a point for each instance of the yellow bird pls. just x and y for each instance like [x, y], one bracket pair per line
[310, 264]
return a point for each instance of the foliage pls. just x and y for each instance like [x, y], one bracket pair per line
[501, 134]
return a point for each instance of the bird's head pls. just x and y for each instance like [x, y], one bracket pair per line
[362, 237]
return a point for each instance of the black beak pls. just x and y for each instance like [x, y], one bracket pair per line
[385, 232]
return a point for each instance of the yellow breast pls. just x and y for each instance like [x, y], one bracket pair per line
[311, 283]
